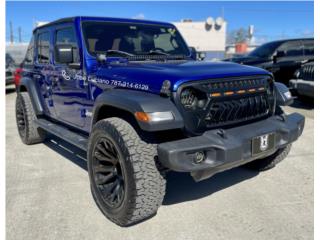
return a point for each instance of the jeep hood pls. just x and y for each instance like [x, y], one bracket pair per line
[133, 74]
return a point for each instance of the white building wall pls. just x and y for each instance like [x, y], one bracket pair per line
[203, 39]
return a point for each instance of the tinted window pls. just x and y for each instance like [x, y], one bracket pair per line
[30, 52]
[265, 50]
[66, 36]
[44, 47]
[308, 47]
[291, 49]
[136, 39]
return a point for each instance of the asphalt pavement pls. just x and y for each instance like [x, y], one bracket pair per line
[48, 196]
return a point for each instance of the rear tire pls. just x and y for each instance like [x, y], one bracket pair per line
[270, 161]
[127, 187]
[29, 132]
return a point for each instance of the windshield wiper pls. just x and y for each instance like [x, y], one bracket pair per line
[155, 52]
[120, 52]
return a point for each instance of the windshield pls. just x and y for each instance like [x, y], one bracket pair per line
[135, 39]
[265, 50]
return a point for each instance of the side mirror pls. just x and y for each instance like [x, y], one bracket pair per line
[277, 55]
[201, 56]
[193, 53]
[64, 53]
[101, 57]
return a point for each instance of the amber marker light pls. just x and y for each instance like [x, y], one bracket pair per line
[215, 94]
[241, 91]
[154, 116]
[142, 116]
[228, 93]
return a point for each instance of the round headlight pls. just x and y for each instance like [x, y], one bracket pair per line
[188, 98]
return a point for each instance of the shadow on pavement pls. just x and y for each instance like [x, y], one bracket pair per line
[180, 186]
[303, 103]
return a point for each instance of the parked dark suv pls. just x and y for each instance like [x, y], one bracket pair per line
[303, 82]
[282, 58]
[132, 94]
[10, 68]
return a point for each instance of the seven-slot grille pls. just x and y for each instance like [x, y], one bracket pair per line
[237, 110]
[229, 101]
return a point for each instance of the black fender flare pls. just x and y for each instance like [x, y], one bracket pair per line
[34, 94]
[135, 101]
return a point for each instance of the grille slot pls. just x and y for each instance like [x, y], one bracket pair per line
[237, 110]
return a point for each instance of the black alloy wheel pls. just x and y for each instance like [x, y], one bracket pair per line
[107, 172]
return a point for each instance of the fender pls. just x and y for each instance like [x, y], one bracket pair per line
[283, 95]
[134, 101]
[30, 85]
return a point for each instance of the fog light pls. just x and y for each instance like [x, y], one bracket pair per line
[199, 157]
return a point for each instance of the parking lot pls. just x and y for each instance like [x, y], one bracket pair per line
[48, 196]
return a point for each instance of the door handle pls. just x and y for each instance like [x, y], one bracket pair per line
[55, 79]
[37, 76]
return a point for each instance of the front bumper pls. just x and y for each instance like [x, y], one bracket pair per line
[228, 148]
[302, 87]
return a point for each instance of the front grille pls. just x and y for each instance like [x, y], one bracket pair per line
[307, 72]
[225, 102]
[231, 111]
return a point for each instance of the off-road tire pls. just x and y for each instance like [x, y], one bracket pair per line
[144, 185]
[31, 133]
[270, 161]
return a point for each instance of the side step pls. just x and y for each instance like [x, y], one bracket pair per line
[76, 139]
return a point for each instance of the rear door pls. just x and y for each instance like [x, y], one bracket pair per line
[68, 90]
[42, 69]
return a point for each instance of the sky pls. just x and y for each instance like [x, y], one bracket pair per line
[272, 20]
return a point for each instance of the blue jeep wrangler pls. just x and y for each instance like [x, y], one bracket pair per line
[132, 94]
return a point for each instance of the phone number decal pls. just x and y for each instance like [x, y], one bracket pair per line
[119, 83]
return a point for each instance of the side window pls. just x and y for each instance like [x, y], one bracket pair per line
[291, 49]
[30, 52]
[308, 48]
[66, 36]
[44, 47]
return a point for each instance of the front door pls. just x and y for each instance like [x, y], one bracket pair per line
[68, 91]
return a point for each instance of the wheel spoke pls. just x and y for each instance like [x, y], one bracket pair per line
[104, 158]
[115, 192]
[103, 169]
[102, 179]
[108, 189]
[110, 149]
